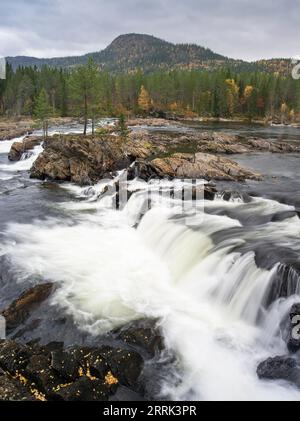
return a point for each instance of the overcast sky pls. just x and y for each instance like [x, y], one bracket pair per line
[247, 29]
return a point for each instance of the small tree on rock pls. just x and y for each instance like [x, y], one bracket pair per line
[122, 127]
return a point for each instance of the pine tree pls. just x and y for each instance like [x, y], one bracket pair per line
[84, 87]
[42, 110]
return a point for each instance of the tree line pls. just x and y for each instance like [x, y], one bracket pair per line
[89, 93]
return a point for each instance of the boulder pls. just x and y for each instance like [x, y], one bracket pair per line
[280, 368]
[16, 151]
[125, 365]
[20, 310]
[81, 159]
[293, 342]
[65, 365]
[19, 148]
[143, 334]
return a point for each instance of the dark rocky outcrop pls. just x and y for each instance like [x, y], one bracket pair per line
[229, 195]
[143, 334]
[19, 311]
[19, 148]
[81, 159]
[12, 390]
[198, 166]
[84, 389]
[32, 371]
[80, 374]
[86, 159]
[210, 142]
[280, 368]
[293, 343]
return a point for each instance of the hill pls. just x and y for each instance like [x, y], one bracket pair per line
[130, 52]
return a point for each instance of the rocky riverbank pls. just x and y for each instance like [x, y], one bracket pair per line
[11, 130]
[113, 370]
[87, 159]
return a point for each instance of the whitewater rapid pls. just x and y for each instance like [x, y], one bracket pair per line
[193, 272]
[207, 297]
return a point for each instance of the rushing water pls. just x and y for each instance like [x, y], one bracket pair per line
[211, 277]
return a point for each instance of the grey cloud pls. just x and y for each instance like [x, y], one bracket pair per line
[248, 29]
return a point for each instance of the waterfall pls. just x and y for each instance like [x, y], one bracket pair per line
[219, 311]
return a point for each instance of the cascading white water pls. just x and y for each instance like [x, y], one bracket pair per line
[207, 296]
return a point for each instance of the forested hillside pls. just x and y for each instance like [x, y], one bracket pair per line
[190, 93]
[134, 52]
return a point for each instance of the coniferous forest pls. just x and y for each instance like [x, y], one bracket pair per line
[88, 92]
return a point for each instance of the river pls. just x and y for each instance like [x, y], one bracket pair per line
[209, 276]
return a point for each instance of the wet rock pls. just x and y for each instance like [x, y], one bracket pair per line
[50, 373]
[84, 389]
[210, 192]
[280, 368]
[98, 365]
[54, 346]
[12, 390]
[13, 357]
[293, 342]
[20, 310]
[126, 366]
[233, 195]
[124, 394]
[143, 334]
[19, 148]
[29, 327]
[16, 151]
[39, 374]
[65, 365]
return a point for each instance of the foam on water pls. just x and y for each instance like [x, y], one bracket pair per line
[208, 295]
[208, 298]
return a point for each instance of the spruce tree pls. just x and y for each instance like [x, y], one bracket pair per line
[122, 127]
[42, 110]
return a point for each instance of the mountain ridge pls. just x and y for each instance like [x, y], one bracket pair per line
[132, 51]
